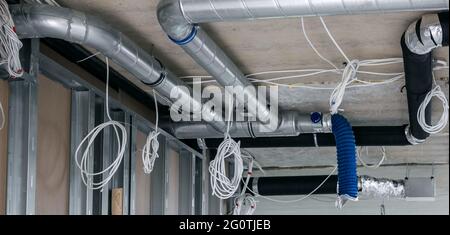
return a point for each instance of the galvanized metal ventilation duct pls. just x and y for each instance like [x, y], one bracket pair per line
[41, 21]
[179, 18]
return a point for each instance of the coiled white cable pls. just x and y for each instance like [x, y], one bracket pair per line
[9, 42]
[151, 147]
[87, 174]
[421, 114]
[244, 205]
[222, 186]
[374, 166]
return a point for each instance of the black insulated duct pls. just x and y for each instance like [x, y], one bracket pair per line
[293, 185]
[411, 189]
[418, 42]
[365, 136]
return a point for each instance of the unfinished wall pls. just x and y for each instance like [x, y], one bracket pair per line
[143, 181]
[173, 187]
[3, 145]
[53, 148]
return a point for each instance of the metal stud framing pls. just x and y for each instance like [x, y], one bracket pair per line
[22, 135]
[82, 120]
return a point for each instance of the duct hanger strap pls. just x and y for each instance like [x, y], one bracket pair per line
[187, 39]
[161, 77]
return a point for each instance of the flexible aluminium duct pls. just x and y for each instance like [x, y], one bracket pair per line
[43, 21]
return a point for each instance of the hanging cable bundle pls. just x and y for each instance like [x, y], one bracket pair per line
[421, 113]
[9, 43]
[151, 147]
[222, 186]
[87, 174]
[373, 166]
[244, 205]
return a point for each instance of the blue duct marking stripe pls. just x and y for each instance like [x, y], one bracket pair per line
[188, 39]
[346, 156]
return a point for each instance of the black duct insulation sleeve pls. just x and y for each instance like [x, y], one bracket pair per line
[443, 19]
[419, 80]
[296, 185]
[365, 136]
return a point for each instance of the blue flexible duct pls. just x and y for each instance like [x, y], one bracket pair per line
[346, 157]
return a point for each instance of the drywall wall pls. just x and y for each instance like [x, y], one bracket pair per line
[3, 146]
[53, 148]
[143, 181]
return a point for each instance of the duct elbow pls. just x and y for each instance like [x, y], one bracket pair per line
[427, 33]
[173, 22]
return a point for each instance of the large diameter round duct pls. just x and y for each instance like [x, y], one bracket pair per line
[201, 11]
[44, 21]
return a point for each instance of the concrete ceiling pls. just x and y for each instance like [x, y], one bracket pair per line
[279, 44]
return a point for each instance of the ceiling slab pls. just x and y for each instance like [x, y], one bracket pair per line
[279, 44]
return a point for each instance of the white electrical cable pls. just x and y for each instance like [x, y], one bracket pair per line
[348, 77]
[374, 166]
[244, 205]
[222, 186]
[2, 113]
[150, 150]
[295, 200]
[313, 47]
[87, 173]
[9, 42]
[421, 112]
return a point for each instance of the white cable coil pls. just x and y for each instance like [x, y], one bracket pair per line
[222, 186]
[9, 43]
[244, 205]
[421, 113]
[151, 147]
[373, 166]
[86, 168]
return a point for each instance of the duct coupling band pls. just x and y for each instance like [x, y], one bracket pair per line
[161, 78]
[411, 139]
[187, 39]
